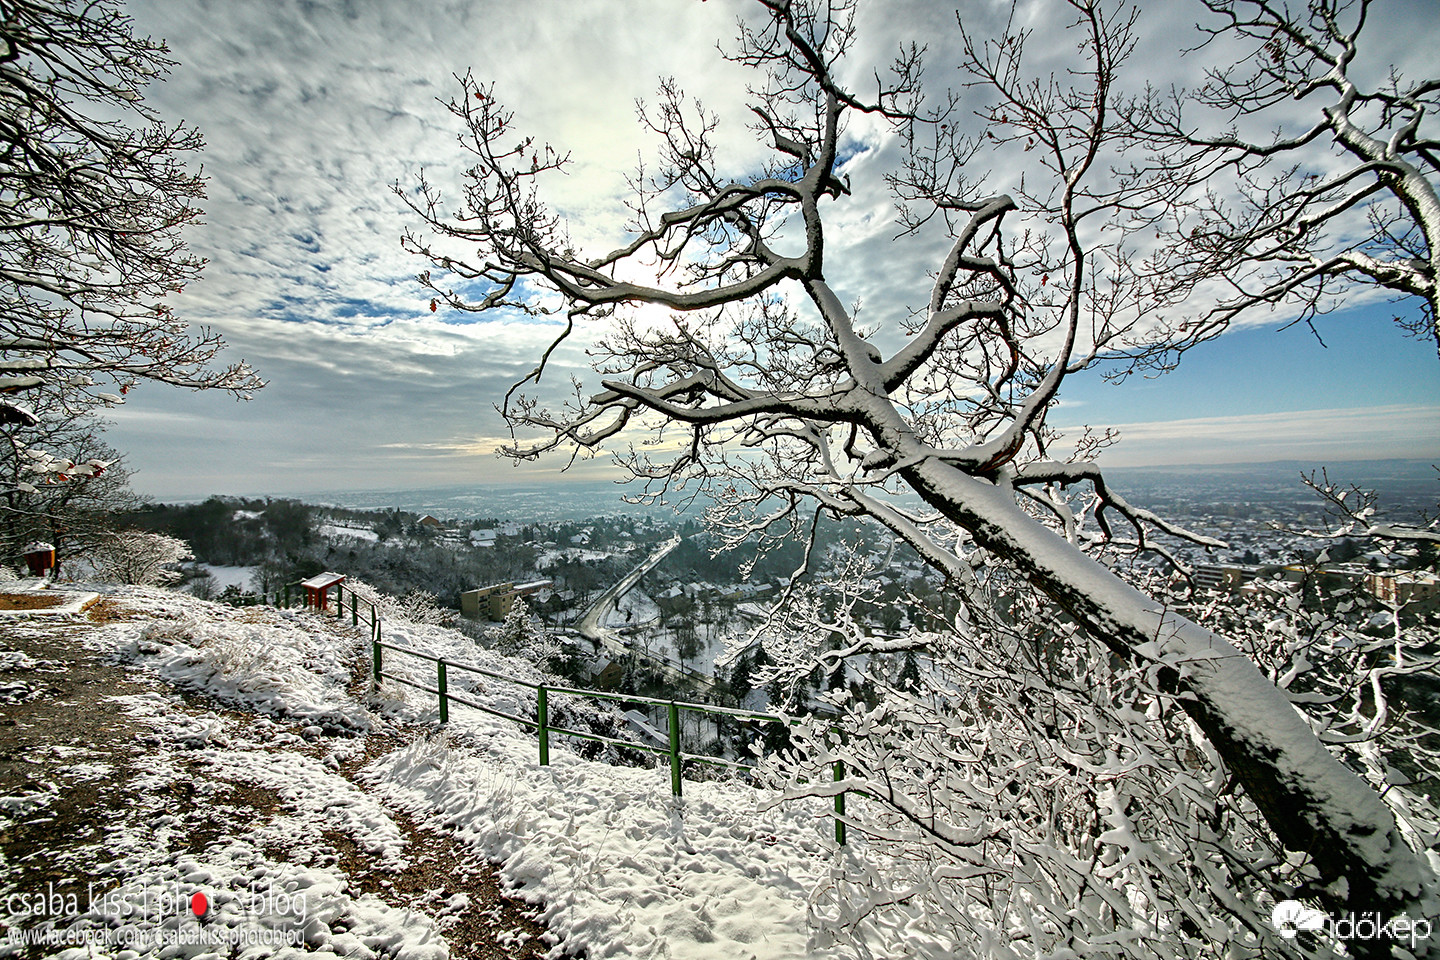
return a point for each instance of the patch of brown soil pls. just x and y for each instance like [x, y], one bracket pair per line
[490, 925]
[206, 823]
[70, 751]
[29, 601]
[108, 610]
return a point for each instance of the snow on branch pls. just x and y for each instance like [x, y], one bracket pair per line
[1274, 213]
[765, 389]
[1354, 510]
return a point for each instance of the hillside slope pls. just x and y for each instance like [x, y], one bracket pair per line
[161, 747]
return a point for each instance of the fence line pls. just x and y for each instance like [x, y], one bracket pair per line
[541, 724]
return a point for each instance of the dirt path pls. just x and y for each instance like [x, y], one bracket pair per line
[78, 772]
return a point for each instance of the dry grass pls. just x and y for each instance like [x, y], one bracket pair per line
[109, 610]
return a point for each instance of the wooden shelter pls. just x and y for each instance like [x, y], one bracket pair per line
[317, 589]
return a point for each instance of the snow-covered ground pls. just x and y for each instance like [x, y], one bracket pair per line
[229, 576]
[632, 607]
[637, 609]
[549, 558]
[336, 531]
[621, 867]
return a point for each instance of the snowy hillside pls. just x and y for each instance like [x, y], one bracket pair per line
[278, 703]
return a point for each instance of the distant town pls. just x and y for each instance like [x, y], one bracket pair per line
[642, 601]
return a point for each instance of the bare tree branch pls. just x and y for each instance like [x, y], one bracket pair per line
[783, 397]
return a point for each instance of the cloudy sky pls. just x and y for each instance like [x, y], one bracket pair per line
[312, 109]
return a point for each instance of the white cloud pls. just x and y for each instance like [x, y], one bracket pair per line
[1396, 430]
[312, 110]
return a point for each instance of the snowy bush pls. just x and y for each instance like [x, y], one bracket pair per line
[417, 606]
[523, 636]
[139, 557]
[1032, 795]
[282, 663]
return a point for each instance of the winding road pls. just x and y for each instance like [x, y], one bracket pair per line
[592, 628]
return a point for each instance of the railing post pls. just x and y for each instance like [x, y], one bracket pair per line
[339, 600]
[354, 609]
[440, 685]
[374, 627]
[287, 597]
[674, 748]
[375, 649]
[542, 715]
[839, 805]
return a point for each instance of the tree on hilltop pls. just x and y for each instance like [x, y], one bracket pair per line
[773, 393]
[75, 514]
[1301, 208]
[96, 192]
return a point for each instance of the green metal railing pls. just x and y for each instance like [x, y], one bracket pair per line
[544, 728]
[540, 723]
[286, 598]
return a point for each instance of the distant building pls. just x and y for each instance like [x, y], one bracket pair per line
[1399, 589]
[497, 600]
[608, 677]
[429, 521]
[1210, 576]
[1232, 577]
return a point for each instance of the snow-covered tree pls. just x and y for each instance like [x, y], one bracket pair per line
[60, 482]
[1286, 205]
[73, 511]
[140, 557]
[1031, 792]
[767, 388]
[523, 635]
[95, 193]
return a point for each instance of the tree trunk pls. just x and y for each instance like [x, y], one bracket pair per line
[1312, 802]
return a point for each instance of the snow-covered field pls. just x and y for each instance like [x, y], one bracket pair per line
[619, 866]
[230, 576]
[338, 531]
